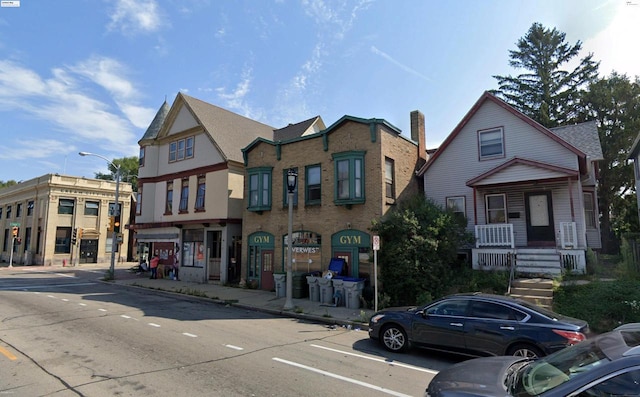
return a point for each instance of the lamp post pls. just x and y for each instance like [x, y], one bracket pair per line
[292, 178]
[116, 209]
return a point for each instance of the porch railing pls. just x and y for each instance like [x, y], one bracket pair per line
[495, 235]
[568, 235]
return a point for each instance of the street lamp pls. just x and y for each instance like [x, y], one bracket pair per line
[292, 178]
[114, 237]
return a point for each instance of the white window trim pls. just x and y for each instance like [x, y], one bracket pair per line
[486, 206]
[491, 156]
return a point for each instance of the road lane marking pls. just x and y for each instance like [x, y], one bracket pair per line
[124, 316]
[381, 360]
[154, 325]
[29, 287]
[103, 310]
[234, 347]
[189, 335]
[65, 300]
[66, 275]
[82, 304]
[7, 354]
[51, 296]
[340, 377]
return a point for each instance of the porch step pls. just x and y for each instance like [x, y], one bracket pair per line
[544, 261]
[534, 290]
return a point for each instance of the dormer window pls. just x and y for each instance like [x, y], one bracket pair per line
[491, 143]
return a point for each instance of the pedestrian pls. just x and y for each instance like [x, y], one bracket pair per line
[154, 266]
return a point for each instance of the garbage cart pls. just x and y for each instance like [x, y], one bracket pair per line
[353, 288]
[300, 289]
[314, 287]
[280, 280]
[339, 294]
[326, 290]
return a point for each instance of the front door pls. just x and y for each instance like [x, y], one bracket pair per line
[346, 255]
[266, 274]
[540, 230]
[88, 251]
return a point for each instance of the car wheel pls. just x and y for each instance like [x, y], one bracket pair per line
[394, 338]
[524, 350]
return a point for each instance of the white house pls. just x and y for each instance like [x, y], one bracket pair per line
[529, 193]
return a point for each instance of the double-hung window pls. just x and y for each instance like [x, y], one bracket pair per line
[9, 212]
[30, 206]
[349, 177]
[259, 189]
[589, 210]
[168, 206]
[139, 201]
[389, 179]
[18, 210]
[457, 206]
[312, 185]
[181, 149]
[496, 205]
[141, 157]
[65, 206]
[491, 143]
[200, 193]
[91, 208]
[285, 186]
[184, 196]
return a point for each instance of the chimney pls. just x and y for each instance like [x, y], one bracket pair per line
[417, 134]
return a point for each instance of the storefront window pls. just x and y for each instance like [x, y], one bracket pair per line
[306, 251]
[193, 248]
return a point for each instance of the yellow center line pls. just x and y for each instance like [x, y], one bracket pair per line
[7, 353]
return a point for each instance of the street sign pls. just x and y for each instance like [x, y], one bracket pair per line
[14, 224]
[376, 242]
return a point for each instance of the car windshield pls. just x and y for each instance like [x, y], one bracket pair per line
[551, 371]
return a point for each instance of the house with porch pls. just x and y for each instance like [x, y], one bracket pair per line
[528, 192]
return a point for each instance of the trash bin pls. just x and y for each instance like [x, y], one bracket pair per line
[353, 288]
[300, 289]
[338, 291]
[280, 280]
[314, 288]
[326, 290]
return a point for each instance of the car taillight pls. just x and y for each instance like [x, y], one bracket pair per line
[572, 336]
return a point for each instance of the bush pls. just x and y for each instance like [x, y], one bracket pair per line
[604, 304]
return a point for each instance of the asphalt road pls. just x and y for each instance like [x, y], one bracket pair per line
[64, 333]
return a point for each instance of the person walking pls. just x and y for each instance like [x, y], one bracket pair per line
[153, 263]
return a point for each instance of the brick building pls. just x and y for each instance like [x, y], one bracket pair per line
[350, 173]
[48, 209]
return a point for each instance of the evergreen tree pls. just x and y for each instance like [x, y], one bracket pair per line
[546, 92]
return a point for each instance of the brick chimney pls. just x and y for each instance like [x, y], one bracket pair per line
[417, 134]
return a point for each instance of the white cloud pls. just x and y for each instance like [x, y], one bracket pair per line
[132, 16]
[63, 103]
[236, 99]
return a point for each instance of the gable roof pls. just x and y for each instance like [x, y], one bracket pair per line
[297, 130]
[546, 171]
[487, 96]
[229, 131]
[583, 136]
[156, 124]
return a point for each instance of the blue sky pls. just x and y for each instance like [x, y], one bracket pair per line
[89, 75]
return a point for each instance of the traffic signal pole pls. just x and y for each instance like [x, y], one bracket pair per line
[13, 243]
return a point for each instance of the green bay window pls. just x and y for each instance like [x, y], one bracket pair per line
[349, 177]
[259, 189]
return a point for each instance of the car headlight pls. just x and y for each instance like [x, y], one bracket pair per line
[376, 318]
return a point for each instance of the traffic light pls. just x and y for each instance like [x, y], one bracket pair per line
[14, 231]
[112, 221]
[116, 224]
[74, 235]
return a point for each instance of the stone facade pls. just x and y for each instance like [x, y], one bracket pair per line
[49, 208]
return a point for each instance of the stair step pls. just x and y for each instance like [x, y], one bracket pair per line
[531, 291]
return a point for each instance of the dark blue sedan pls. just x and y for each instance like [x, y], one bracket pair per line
[478, 325]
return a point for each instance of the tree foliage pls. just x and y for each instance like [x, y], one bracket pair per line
[8, 183]
[420, 242]
[545, 91]
[128, 171]
[614, 103]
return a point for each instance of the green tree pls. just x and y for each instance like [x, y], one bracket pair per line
[546, 92]
[128, 171]
[421, 242]
[614, 103]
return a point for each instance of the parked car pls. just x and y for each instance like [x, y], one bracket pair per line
[477, 324]
[605, 365]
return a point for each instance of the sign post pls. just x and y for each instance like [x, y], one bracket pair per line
[376, 247]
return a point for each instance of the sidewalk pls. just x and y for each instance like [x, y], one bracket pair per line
[214, 292]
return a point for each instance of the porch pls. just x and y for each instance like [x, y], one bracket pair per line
[496, 250]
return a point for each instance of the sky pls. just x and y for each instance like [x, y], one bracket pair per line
[90, 75]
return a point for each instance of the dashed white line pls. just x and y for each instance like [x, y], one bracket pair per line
[154, 325]
[234, 347]
[340, 377]
[103, 310]
[381, 360]
[189, 335]
[51, 296]
[65, 300]
[124, 316]
[82, 304]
